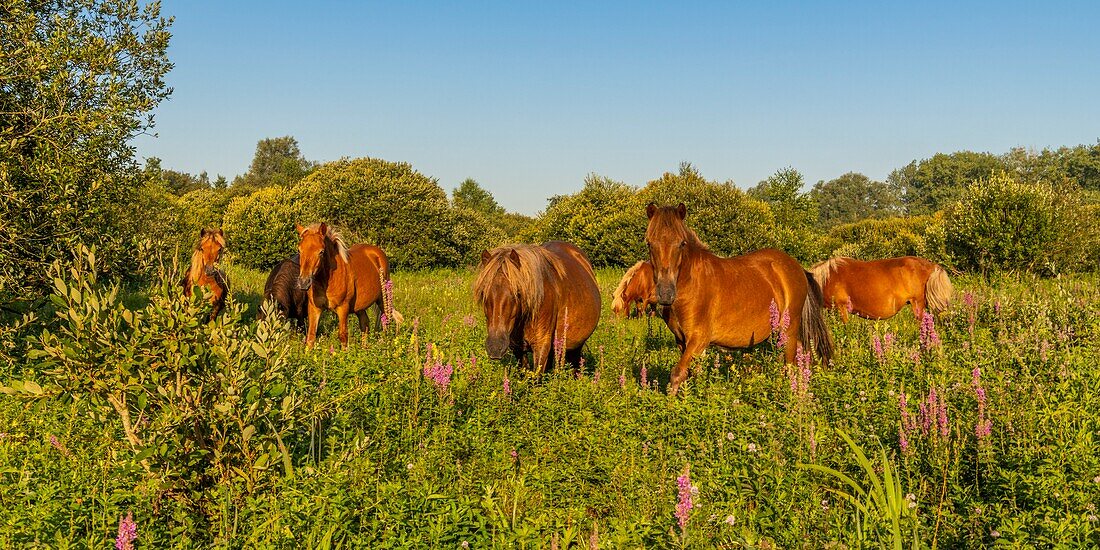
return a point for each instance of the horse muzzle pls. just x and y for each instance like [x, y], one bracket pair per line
[305, 282]
[496, 347]
[666, 294]
[210, 270]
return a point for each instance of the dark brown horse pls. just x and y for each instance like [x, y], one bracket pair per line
[878, 289]
[542, 299]
[204, 269]
[282, 289]
[727, 301]
[636, 292]
[336, 277]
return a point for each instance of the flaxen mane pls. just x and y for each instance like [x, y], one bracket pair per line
[335, 237]
[526, 281]
[196, 270]
[617, 301]
[821, 270]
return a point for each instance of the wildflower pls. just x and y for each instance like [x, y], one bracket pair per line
[997, 307]
[57, 445]
[514, 454]
[824, 505]
[464, 545]
[928, 336]
[773, 313]
[437, 372]
[876, 346]
[686, 491]
[596, 376]
[469, 320]
[912, 500]
[385, 319]
[645, 379]
[779, 323]
[984, 427]
[995, 534]
[730, 520]
[127, 532]
[507, 386]
[751, 447]
[729, 436]
[622, 381]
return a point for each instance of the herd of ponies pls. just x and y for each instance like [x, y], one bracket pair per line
[542, 301]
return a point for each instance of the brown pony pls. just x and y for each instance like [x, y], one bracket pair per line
[347, 280]
[878, 289]
[541, 299]
[204, 269]
[636, 292]
[727, 301]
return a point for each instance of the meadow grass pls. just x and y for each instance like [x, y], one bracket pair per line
[498, 458]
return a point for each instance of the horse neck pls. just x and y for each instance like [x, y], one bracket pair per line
[334, 264]
[695, 260]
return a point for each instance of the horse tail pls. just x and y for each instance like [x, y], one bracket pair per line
[814, 334]
[938, 290]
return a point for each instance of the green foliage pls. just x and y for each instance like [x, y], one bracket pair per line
[196, 402]
[604, 219]
[259, 228]
[873, 239]
[931, 184]
[1002, 223]
[277, 162]
[724, 217]
[177, 183]
[470, 195]
[853, 197]
[80, 80]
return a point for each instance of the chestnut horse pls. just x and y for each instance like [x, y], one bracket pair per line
[282, 289]
[541, 299]
[727, 302]
[636, 292]
[204, 269]
[334, 276]
[878, 289]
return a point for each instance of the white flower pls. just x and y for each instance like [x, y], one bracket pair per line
[730, 519]
[751, 447]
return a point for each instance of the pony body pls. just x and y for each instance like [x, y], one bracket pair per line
[204, 269]
[709, 300]
[878, 289]
[636, 293]
[344, 279]
[539, 299]
[282, 289]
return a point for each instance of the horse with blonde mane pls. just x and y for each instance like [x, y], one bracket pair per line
[341, 278]
[729, 302]
[542, 299]
[878, 289]
[636, 294]
[204, 269]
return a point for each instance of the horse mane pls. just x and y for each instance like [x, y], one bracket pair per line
[333, 236]
[617, 302]
[525, 281]
[822, 270]
[674, 222]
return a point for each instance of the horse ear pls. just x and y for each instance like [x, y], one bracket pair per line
[298, 227]
[650, 210]
[202, 233]
[219, 232]
[681, 211]
[485, 257]
[324, 228]
[514, 257]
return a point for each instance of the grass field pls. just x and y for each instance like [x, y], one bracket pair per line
[995, 443]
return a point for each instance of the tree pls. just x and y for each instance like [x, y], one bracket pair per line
[469, 194]
[604, 219]
[277, 161]
[931, 184]
[177, 183]
[79, 80]
[853, 197]
[783, 193]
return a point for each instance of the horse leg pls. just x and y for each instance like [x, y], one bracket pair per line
[540, 351]
[342, 315]
[314, 315]
[364, 324]
[680, 371]
[573, 357]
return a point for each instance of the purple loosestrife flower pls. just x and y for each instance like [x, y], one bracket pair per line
[622, 381]
[437, 372]
[876, 346]
[684, 504]
[127, 532]
[385, 321]
[928, 337]
[507, 387]
[773, 313]
[984, 427]
[784, 324]
[469, 320]
[645, 379]
[57, 445]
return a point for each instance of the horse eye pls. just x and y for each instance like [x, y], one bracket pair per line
[683, 244]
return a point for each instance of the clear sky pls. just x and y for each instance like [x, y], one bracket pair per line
[530, 97]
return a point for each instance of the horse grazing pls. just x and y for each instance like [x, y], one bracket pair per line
[336, 277]
[636, 293]
[728, 301]
[204, 269]
[282, 289]
[878, 289]
[541, 299]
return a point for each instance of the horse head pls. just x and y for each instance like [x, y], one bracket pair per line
[498, 298]
[211, 244]
[311, 252]
[667, 239]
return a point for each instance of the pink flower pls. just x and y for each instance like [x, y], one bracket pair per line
[645, 380]
[127, 532]
[507, 386]
[928, 336]
[685, 493]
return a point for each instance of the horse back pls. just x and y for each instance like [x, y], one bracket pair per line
[577, 290]
[364, 275]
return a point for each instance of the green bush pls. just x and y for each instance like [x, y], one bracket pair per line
[604, 219]
[391, 205]
[1001, 223]
[873, 239]
[259, 228]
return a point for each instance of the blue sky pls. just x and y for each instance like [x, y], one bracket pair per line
[528, 98]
